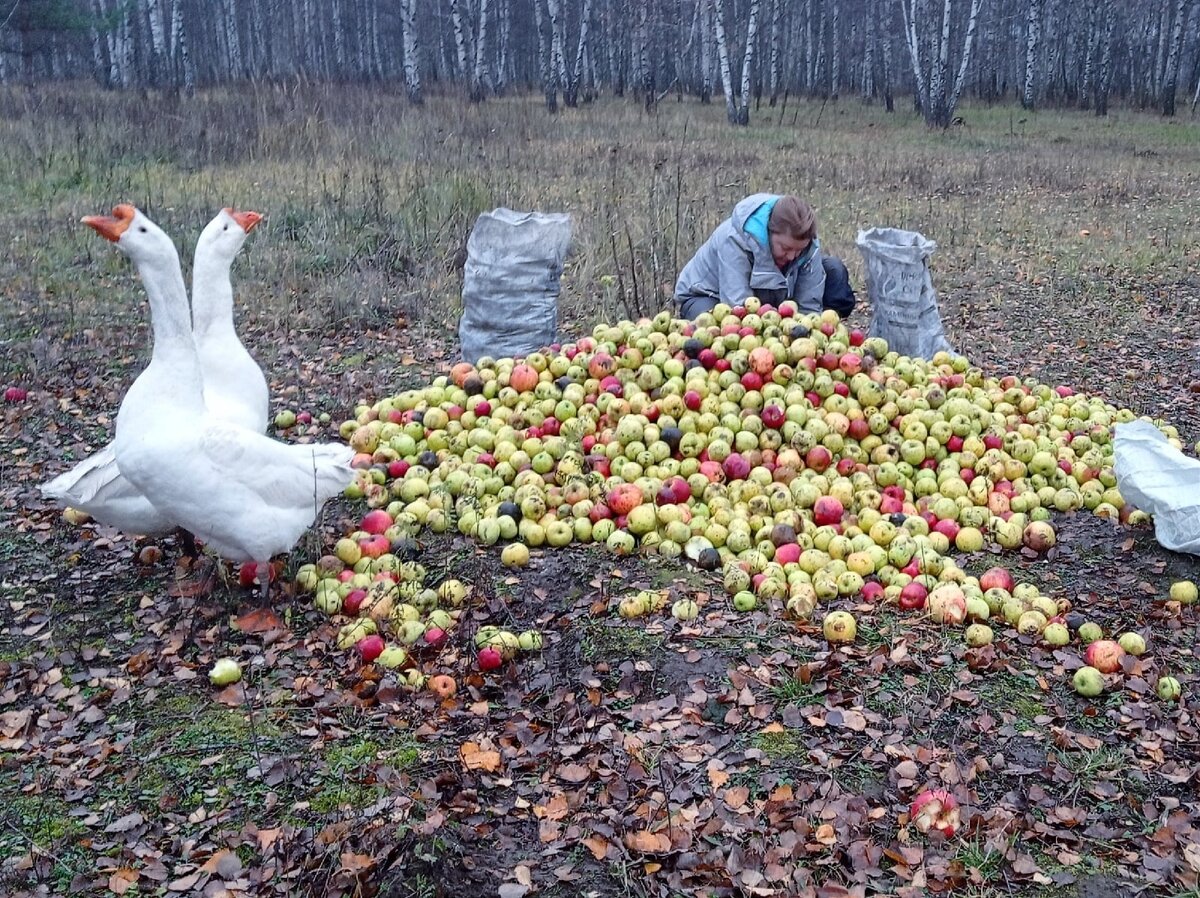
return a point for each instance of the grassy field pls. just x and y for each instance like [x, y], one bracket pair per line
[1069, 249]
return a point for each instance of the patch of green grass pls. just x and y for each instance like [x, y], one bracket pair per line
[788, 744]
[603, 640]
[1013, 695]
[876, 630]
[346, 780]
[976, 855]
[791, 691]
[856, 775]
[1090, 765]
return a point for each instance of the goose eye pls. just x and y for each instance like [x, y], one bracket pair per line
[142, 228]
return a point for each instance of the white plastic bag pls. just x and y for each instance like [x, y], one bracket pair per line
[1160, 480]
[904, 308]
[511, 283]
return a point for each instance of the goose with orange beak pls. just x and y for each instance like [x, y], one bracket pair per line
[247, 496]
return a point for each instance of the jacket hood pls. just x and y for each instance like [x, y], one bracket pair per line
[744, 209]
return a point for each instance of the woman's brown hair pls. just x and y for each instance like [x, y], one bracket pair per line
[793, 216]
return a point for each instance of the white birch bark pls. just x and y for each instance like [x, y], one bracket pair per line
[961, 79]
[867, 83]
[460, 37]
[776, 59]
[1091, 47]
[503, 74]
[748, 62]
[339, 37]
[577, 75]
[1033, 36]
[558, 50]
[908, 8]
[707, 56]
[480, 78]
[158, 39]
[412, 66]
[810, 51]
[181, 48]
[941, 69]
[1104, 74]
[731, 106]
[835, 48]
[1171, 75]
[545, 59]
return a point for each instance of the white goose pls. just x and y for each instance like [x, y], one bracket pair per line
[246, 495]
[234, 387]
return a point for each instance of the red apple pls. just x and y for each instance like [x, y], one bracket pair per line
[912, 596]
[827, 510]
[935, 809]
[16, 394]
[376, 521]
[858, 429]
[773, 415]
[788, 553]
[489, 658]
[692, 400]
[996, 577]
[1105, 655]
[818, 458]
[752, 380]
[435, 637]
[857, 337]
[353, 601]
[370, 647]
[736, 467]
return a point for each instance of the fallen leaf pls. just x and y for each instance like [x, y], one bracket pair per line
[259, 620]
[121, 881]
[574, 773]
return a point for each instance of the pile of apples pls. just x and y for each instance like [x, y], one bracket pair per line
[388, 612]
[804, 460]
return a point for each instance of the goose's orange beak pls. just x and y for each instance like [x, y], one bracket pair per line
[111, 227]
[247, 220]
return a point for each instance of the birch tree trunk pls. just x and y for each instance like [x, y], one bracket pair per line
[961, 79]
[339, 36]
[460, 37]
[572, 98]
[835, 48]
[503, 74]
[1108, 15]
[939, 100]
[867, 82]
[479, 76]
[646, 81]
[941, 72]
[776, 60]
[920, 83]
[731, 106]
[888, 100]
[1091, 49]
[558, 50]
[707, 37]
[412, 62]
[1033, 35]
[546, 59]
[158, 41]
[748, 63]
[1171, 75]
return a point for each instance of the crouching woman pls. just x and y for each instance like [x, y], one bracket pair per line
[767, 248]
